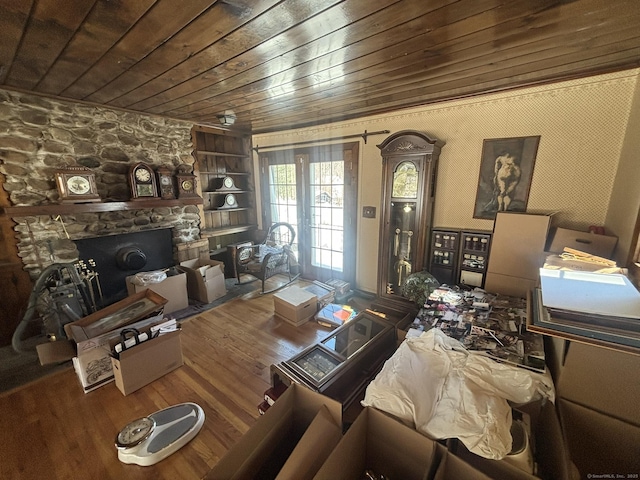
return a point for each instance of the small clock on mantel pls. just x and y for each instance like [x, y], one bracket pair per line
[226, 183]
[142, 182]
[186, 182]
[165, 183]
[76, 185]
[229, 201]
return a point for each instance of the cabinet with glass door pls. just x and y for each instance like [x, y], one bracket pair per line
[409, 160]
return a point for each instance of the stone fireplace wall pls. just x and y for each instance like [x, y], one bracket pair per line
[39, 135]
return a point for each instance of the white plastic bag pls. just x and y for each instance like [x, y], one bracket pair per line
[149, 278]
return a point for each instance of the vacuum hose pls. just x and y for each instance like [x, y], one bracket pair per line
[40, 285]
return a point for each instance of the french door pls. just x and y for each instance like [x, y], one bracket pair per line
[315, 190]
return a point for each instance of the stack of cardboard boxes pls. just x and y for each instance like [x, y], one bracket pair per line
[302, 437]
[92, 339]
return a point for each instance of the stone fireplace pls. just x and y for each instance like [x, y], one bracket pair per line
[40, 135]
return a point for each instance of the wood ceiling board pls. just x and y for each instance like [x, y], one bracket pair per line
[276, 20]
[50, 26]
[195, 37]
[306, 61]
[13, 20]
[376, 79]
[334, 61]
[141, 39]
[263, 61]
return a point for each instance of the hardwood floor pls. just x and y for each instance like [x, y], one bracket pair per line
[51, 429]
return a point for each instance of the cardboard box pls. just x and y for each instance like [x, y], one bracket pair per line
[277, 439]
[453, 468]
[138, 366]
[602, 379]
[517, 252]
[557, 262]
[116, 316]
[378, 442]
[173, 288]
[551, 456]
[598, 393]
[205, 279]
[90, 339]
[599, 443]
[92, 361]
[295, 305]
[317, 442]
[599, 245]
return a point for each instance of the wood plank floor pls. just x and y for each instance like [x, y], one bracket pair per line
[51, 429]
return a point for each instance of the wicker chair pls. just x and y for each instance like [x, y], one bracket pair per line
[271, 257]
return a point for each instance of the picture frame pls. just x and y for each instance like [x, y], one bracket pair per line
[117, 315]
[506, 171]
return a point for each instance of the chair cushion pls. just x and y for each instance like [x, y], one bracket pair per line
[266, 249]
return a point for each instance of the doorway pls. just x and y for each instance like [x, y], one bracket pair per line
[315, 190]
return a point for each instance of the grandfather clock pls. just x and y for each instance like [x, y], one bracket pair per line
[409, 160]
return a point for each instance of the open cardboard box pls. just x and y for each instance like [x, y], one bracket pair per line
[599, 245]
[380, 443]
[89, 336]
[92, 361]
[289, 441]
[115, 316]
[551, 457]
[452, 467]
[205, 279]
[173, 288]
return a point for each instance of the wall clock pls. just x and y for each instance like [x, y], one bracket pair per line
[142, 182]
[186, 183]
[76, 185]
[165, 183]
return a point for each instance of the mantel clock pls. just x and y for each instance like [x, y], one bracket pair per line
[76, 185]
[142, 182]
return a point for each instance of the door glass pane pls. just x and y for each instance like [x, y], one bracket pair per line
[326, 199]
[282, 197]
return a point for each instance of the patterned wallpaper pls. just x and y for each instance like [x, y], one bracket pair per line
[582, 124]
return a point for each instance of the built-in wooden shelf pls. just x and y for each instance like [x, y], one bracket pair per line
[214, 232]
[225, 174]
[97, 207]
[221, 154]
[222, 192]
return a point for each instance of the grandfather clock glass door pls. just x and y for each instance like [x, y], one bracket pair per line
[409, 166]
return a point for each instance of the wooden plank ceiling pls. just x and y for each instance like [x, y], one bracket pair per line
[293, 63]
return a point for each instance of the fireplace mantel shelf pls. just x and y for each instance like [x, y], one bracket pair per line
[73, 208]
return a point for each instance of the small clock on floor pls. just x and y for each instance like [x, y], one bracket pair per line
[142, 182]
[166, 184]
[186, 183]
